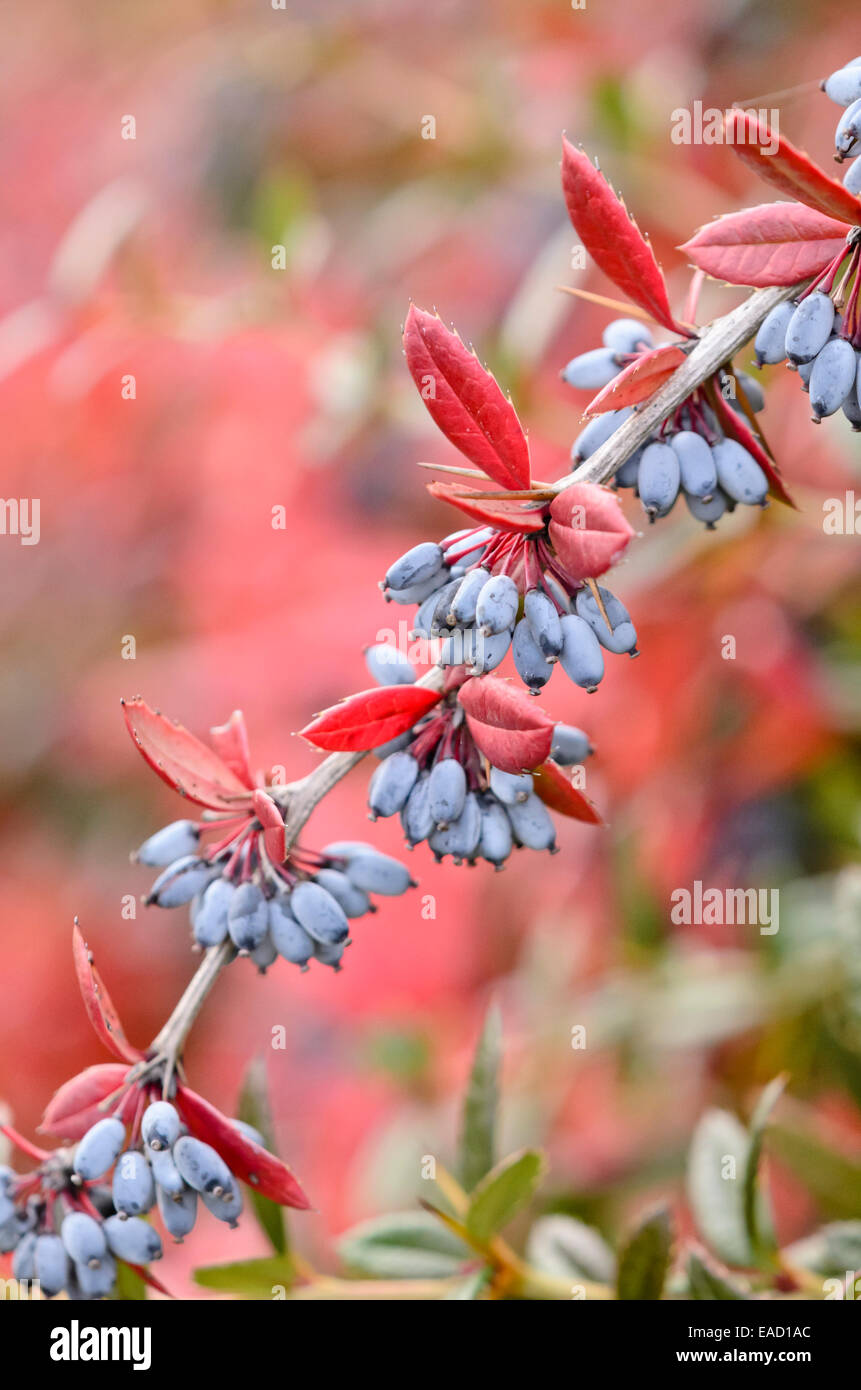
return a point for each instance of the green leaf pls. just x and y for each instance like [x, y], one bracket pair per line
[566, 1247]
[405, 1245]
[716, 1167]
[129, 1287]
[833, 1180]
[257, 1279]
[254, 1109]
[831, 1250]
[502, 1192]
[705, 1282]
[644, 1260]
[757, 1213]
[473, 1287]
[478, 1129]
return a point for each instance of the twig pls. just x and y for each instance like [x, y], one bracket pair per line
[717, 345]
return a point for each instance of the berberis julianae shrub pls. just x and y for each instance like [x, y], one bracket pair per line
[473, 766]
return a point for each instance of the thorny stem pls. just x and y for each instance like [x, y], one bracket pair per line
[718, 343]
[169, 1043]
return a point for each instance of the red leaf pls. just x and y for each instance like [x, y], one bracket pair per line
[274, 834]
[506, 516]
[74, 1107]
[612, 237]
[733, 424]
[639, 380]
[787, 168]
[588, 529]
[773, 244]
[508, 728]
[467, 403]
[253, 1164]
[182, 761]
[370, 717]
[556, 791]
[98, 1003]
[230, 742]
[145, 1273]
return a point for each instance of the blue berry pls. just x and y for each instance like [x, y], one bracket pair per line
[833, 377]
[133, 1189]
[541, 614]
[247, 917]
[446, 791]
[160, 1125]
[378, 873]
[391, 784]
[770, 342]
[739, 474]
[625, 336]
[178, 1211]
[658, 479]
[809, 327]
[84, 1238]
[319, 913]
[209, 912]
[531, 664]
[570, 746]
[591, 370]
[100, 1148]
[388, 665]
[581, 658]
[696, 463]
[133, 1240]
[532, 824]
[172, 842]
[51, 1264]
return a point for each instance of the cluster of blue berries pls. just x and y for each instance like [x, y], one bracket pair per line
[447, 793]
[689, 455]
[479, 617]
[69, 1224]
[299, 910]
[844, 88]
[809, 333]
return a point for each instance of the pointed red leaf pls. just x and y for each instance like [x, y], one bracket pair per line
[274, 833]
[735, 425]
[75, 1106]
[230, 742]
[145, 1273]
[182, 761]
[612, 237]
[639, 380]
[465, 401]
[98, 1003]
[507, 726]
[783, 166]
[553, 785]
[504, 515]
[588, 529]
[253, 1164]
[370, 717]
[773, 244]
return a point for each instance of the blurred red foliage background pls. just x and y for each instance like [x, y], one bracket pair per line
[257, 387]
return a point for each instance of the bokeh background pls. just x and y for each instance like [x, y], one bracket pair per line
[258, 387]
